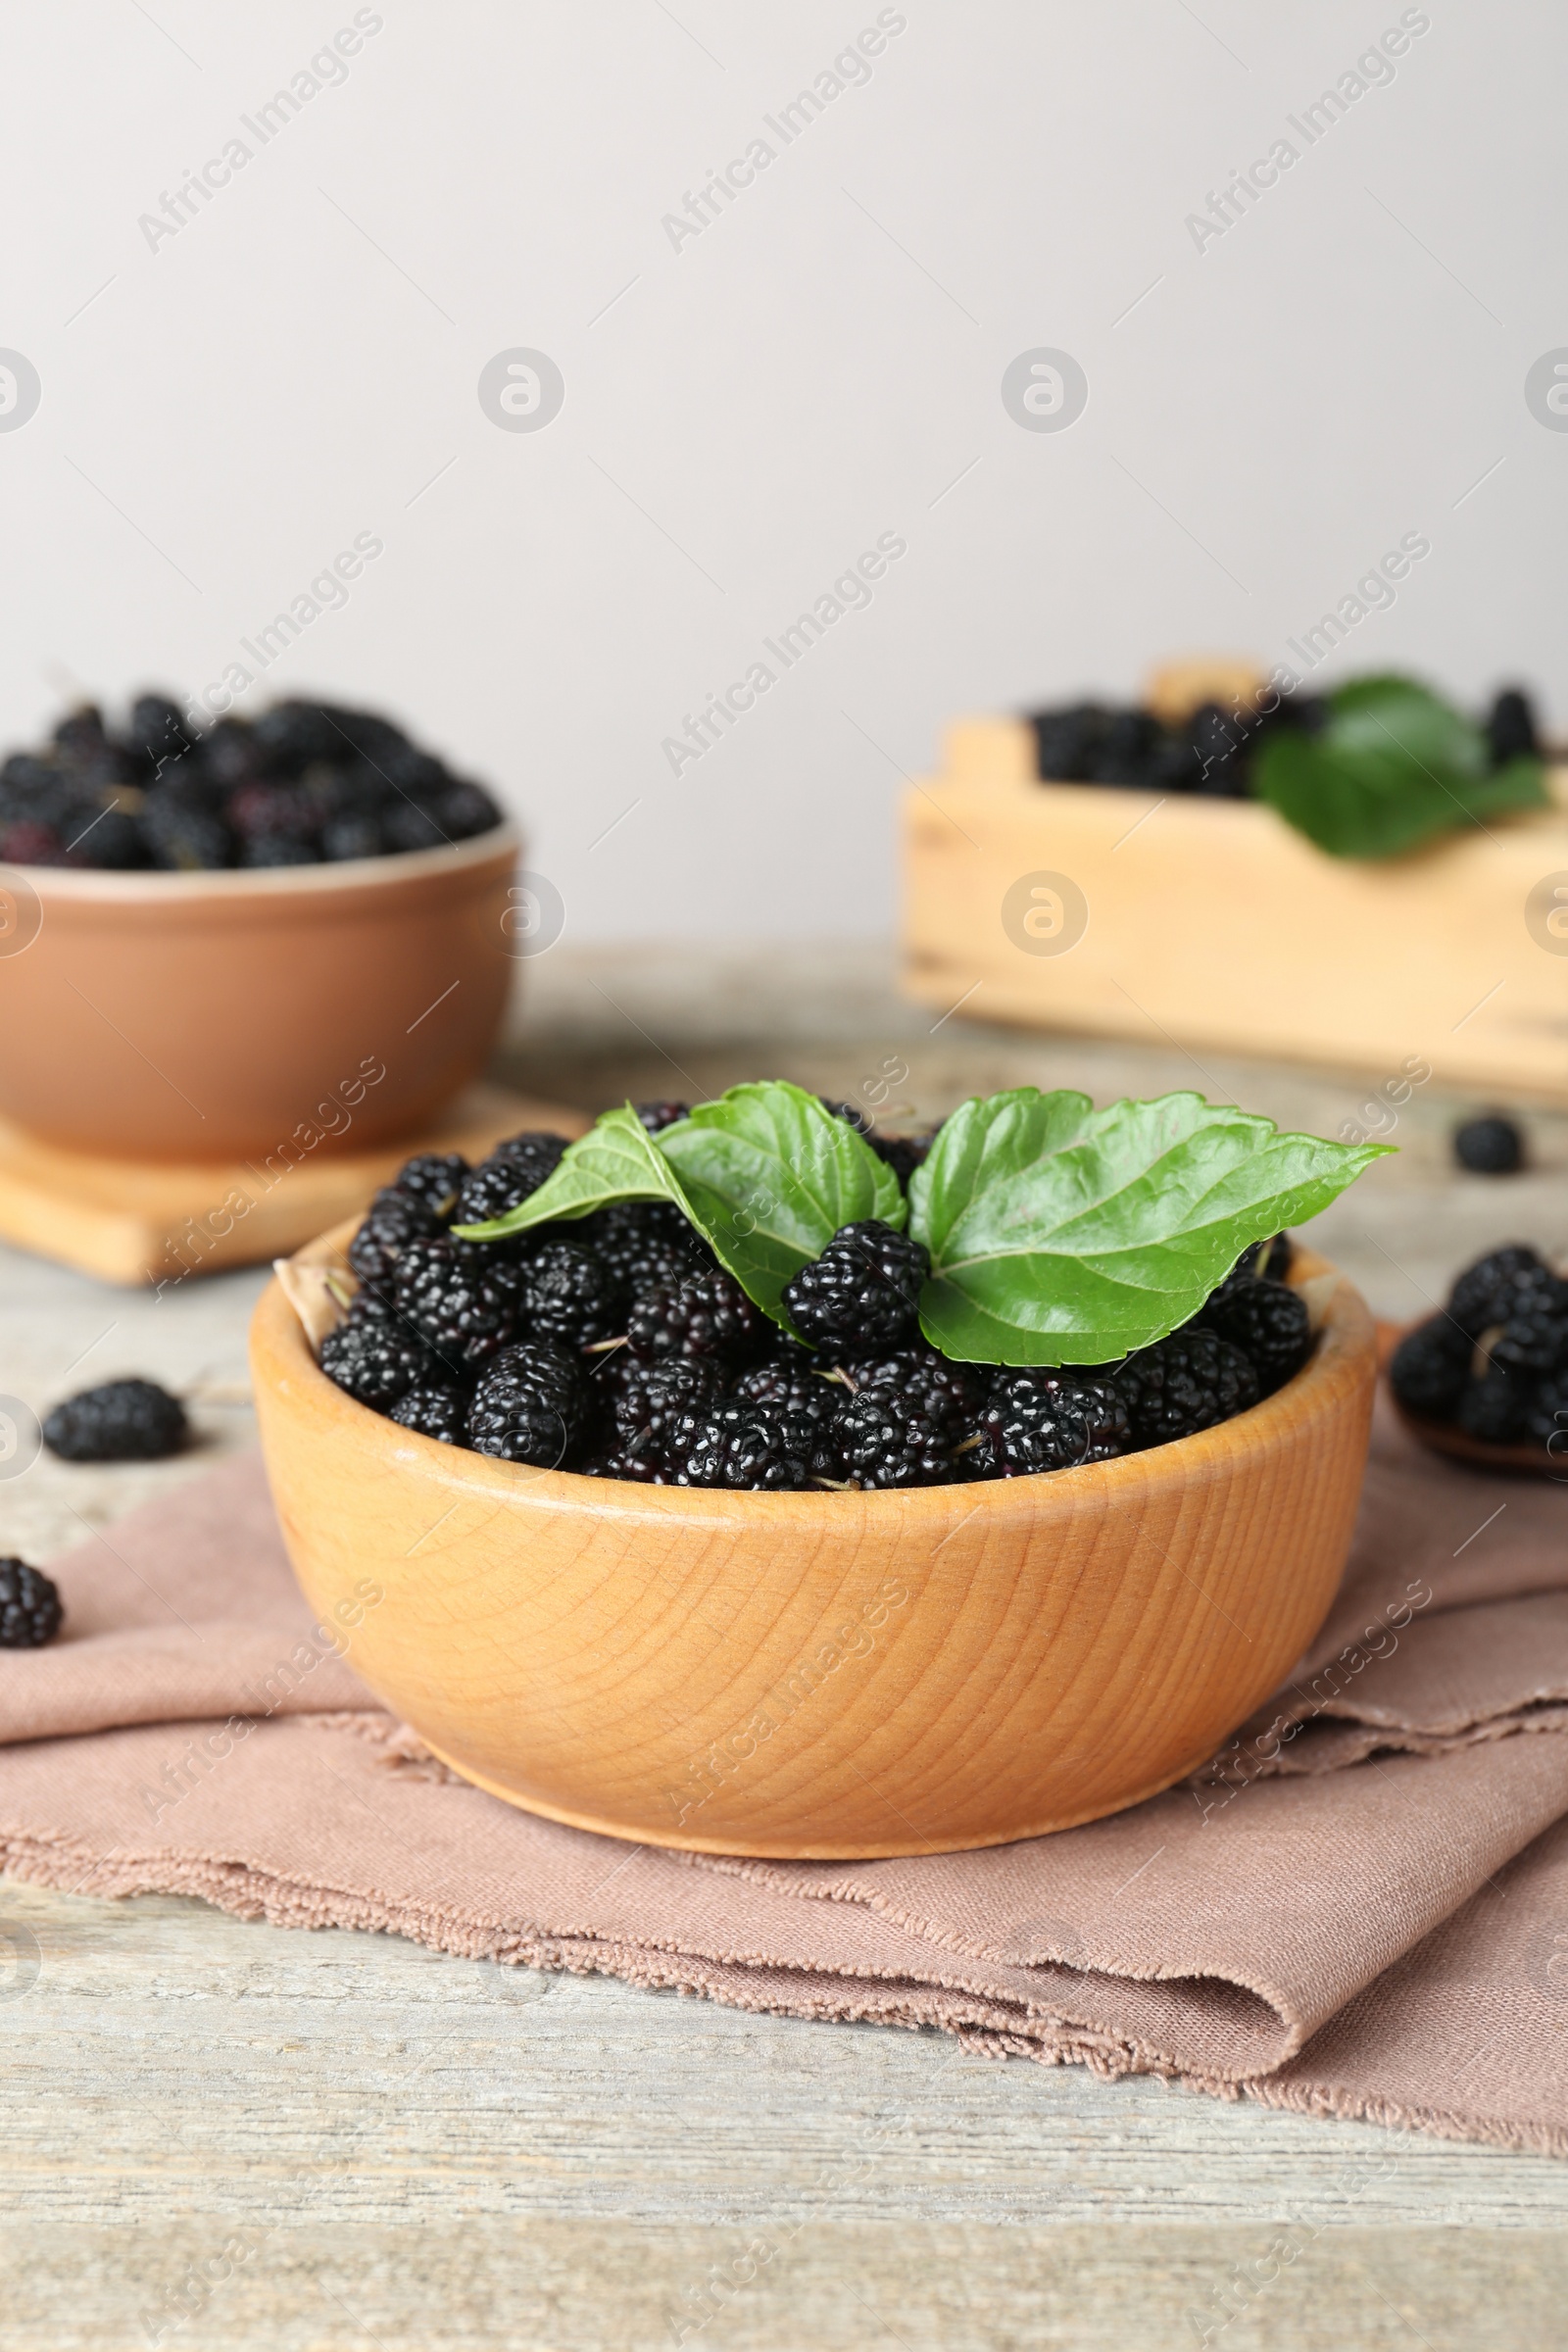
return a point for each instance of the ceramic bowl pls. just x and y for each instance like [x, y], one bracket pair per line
[204, 1016]
[824, 1675]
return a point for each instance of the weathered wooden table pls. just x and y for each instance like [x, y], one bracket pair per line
[220, 2133]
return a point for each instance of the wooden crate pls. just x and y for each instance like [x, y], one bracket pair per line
[1115, 914]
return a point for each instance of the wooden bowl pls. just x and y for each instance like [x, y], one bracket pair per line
[206, 1016]
[824, 1675]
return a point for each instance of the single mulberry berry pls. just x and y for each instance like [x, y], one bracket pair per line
[1039, 1421]
[863, 1295]
[512, 1174]
[1497, 1284]
[391, 1223]
[377, 1363]
[650, 1400]
[739, 1444]
[877, 1440]
[648, 1246]
[1189, 1382]
[790, 1384]
[1269, 1323]
[925, 1380]
[568, 1297]
[156, 732]
[656, 1116]
[1510, 728]
[903, 1153]
[710, 1317]
[31, 1613]
[463, 1298]
[1067, 740]
[123, 1421]
[434, 1179]
[1430, 1367]
[439, 1411]
[1490, 1147]
[530, 1405]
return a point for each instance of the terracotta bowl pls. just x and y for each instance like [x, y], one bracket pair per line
[204, 1016]
[824, 1675]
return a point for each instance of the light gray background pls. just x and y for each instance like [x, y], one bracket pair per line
[746, 414]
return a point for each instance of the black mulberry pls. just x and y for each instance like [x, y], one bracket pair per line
[710, 1317]
[1490, 1147]
[463, 1298]
[1042, 1420]
[512, 1174]
[791, 1384]
[530, 1405]
[1510, 728]
[393, 1220]
[439, 1411]
[1499, 1283]
[1430, 1367]
[903, 1153]
[434, 1180]
[879, 1440]
[378, 1362]
[1269, 1323]
[31, 1613]
[568, 1296]
[1546, 1418]
[746, 1445]
[863, 1295]
[1183, 1384]
[651, 1401]
[123, 1421]
[648, 1246]
[925, 1380]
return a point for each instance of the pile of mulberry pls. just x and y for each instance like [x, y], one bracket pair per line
[1495, 1361]
[306, 783]
[615, 1344]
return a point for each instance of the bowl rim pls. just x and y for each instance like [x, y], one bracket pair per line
[101, 886]
[1344, 1355]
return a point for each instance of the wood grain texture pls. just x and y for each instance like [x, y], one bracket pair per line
[1215, 923]
[133, 1221]
[826, 1675]
[426, 2153]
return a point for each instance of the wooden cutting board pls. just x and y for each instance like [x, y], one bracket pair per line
[135, 1221]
